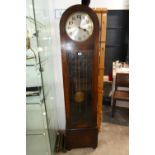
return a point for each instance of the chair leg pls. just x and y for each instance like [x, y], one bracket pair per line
[113, 107]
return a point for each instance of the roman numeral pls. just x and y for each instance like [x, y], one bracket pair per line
[78, 16]
[70, 22]
[73, 18]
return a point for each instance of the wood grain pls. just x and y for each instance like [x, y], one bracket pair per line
[102, 16]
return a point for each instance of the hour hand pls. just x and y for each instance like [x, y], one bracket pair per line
[82, 29]
[85, 30]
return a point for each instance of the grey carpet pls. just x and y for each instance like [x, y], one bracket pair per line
[121, 115]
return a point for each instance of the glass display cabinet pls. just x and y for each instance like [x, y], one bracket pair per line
[40, 126]
[37, 139]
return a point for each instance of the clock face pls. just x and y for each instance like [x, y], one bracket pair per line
[79, 26]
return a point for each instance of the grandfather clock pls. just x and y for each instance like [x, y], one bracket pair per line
[79, 32]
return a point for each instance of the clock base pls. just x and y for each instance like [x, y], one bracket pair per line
[84, 137]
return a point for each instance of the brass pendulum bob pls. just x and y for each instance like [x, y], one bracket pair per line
[79, 97]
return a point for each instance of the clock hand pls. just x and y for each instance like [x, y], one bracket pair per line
[83, 29]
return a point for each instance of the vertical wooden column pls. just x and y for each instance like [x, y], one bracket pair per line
[102, 16]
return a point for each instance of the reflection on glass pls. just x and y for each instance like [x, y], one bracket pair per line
[80, 64]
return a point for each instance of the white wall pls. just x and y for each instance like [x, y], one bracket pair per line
[109, 4]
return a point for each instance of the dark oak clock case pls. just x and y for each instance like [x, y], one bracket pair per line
[80, 78]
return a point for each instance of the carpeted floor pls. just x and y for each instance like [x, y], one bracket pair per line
[112, 140]
[121, 115]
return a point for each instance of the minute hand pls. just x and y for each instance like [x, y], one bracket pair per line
[83, 29]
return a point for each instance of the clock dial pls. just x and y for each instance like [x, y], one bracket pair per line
[79, 26]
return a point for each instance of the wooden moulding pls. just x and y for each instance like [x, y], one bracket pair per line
[102, 16]
[84, 137]
[100, 86]
[100, 10]
[103, 27]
